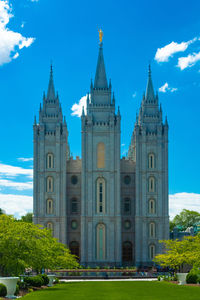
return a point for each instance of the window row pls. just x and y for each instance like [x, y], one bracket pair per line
[50, 206]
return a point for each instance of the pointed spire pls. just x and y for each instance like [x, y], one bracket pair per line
[51, 90]
[35, 121]
[83, 111]
[149, 90]
[100, 77]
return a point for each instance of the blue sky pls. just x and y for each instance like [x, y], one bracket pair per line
[32, 33]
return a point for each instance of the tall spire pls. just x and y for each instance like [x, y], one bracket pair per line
[149, 90]
[51, 90]
[100, 77]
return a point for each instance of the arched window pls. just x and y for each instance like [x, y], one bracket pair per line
[50, 161]
[127, 206]
[151, 161]
[74, 248]
[152, 184]
[101, 242]
[100, 156]
[152, 230]
[49, 206]
[127, 250]
[152, 251]
[101, 194]
[49, 184]
[74, 206]
[50, 227]
[152, 206]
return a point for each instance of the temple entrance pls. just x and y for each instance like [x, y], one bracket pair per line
[127, 252]
[74, 248]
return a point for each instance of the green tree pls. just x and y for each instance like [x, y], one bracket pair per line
[2, 211]
[186, 218]
[177, 253]
[25, 245]
[27, 218]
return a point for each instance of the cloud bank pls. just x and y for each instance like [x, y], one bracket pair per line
[10, 42]
[78, 107]
[165, 88]
[163, 54]
[188, 61]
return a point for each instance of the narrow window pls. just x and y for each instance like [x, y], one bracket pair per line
[49, 184]
[100, 156]
[152, 184]
[127, 206]
[151, 161]
[152, 250]
[74, 206]
[101, 195]
[152, 230]
[50, 227]
[101, 242]
[49, 206]
[50, 161]
[152, 206]
[127, 252]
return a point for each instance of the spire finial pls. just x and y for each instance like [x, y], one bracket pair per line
[149, 71]
[100, 77]
[51, 90]
[100, 36]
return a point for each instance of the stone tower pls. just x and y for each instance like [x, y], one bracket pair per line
[149, 151]
[50, 157]
[100, 188]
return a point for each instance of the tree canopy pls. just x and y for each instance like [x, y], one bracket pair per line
[178, 253]
[27, 218]
[25, 245]
[187, 218]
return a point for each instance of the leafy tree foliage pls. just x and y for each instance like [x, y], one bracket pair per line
[25, 245]
[178, 253]
[187, 218]
[27, 218]
[2, 211]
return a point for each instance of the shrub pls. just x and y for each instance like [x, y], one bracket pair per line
[22, 285]
[3, 290]
[30, 290]
[35, 281]
[191, 278]
[17, 290]
[45, 279]
[56, 281]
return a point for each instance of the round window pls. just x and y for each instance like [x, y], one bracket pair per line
[127, 224]
[74, 224]
[74, 179]
[127, 179]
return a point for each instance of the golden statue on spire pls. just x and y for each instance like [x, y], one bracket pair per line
[100, 35]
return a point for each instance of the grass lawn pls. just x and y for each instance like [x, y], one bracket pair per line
[109, 290]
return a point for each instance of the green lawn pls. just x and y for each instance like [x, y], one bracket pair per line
[120, 290]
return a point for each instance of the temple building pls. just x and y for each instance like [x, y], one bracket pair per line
[108, 210]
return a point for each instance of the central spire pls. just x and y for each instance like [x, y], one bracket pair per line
[100, 77]
[51, 90]
[149, 90]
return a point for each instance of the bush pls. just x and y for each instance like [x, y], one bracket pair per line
[45, 279]
[191, 278]
[17, 290]
[35, 281]
[3, 290]
[56, 281]
[22, 285]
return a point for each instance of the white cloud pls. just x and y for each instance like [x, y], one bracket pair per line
[179, 201]
[163, 54]
[17, 205]
[19, 186]
[188, 61]
[25, 159]
[34, 0]
[10, 41]
[12, 171]
[165, 88]
[22, 25]
[134, 95]
[122, 145]
[77, 108]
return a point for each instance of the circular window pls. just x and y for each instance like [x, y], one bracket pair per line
[127, 224]
[74, 179]
[74, 224]
[127, 179]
